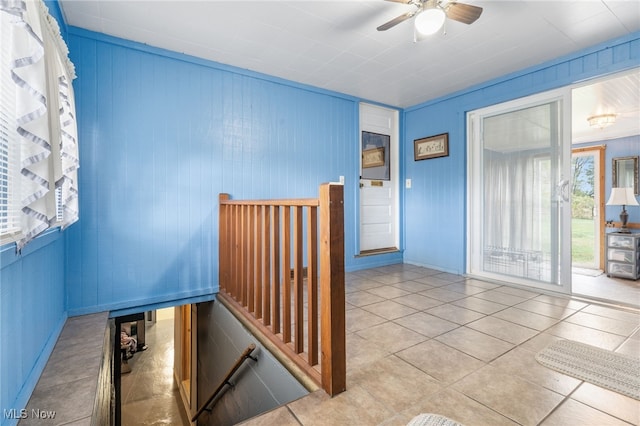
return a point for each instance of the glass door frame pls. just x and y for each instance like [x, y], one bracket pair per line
[475, 207]
[598, 154]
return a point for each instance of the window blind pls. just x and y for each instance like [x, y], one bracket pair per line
[38, 134]
[9, 155]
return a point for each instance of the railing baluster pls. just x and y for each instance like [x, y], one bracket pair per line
[230, 249]
[312, 284]
[237, 238]
[286, 274]
[251, 254]
[266, 255]
[243, 261]
[223, 252]
[256, 282]
[275, 270]
[233, 249]
[227, 246]
[298, 297]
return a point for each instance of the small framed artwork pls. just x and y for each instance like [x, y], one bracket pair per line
[431, 147]
[373, 157]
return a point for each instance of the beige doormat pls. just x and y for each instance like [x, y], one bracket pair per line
[588, 272]
[617, 372]
[428, 419]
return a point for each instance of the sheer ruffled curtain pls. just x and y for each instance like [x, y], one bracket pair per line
[68, 182]
[65, 168]
[29, 74]
[510, 205]
[45, 118]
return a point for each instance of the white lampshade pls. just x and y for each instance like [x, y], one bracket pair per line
[430, 20]
[622, 197]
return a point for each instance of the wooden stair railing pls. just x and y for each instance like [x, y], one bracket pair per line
[226, 381]
[266, 249]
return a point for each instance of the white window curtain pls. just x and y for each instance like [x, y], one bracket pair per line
[68, 180]
[510, 203]
[45, 118]
[65, 150]
[517, 160]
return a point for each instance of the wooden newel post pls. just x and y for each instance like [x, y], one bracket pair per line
[332, 290]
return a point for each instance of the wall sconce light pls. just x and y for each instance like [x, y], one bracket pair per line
[602, 120]
[622, 197]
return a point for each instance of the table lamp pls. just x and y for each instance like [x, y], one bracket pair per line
[622, 197]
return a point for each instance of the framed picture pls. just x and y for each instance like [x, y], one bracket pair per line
[373, 157]
[431, 147]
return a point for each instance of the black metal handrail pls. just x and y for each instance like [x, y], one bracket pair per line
[245, 355]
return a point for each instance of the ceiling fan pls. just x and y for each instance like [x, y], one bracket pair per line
[431, 14]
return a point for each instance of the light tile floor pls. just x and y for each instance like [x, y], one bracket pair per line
[423, 341]
[620, 290]
[150, 395]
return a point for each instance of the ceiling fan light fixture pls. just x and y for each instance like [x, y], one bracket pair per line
[429, 21]
[601, 121]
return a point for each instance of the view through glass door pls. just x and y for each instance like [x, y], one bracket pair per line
[587, 206]
[519, 193]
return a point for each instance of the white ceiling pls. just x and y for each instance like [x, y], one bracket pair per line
[617, 94]
[529, 128]
[334, 45]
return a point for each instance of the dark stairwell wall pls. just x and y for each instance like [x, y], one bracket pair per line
[259, 386]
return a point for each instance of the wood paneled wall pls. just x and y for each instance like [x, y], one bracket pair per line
[161, 135]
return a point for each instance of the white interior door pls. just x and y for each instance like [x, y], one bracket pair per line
[378, 179]
[519, 192]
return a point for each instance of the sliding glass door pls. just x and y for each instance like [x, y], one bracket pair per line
[519, 193]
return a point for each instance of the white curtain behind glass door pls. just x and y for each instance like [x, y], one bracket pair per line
[520, 219]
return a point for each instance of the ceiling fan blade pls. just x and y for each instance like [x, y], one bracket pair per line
[465, 13]
[396, 21]
[400, 1]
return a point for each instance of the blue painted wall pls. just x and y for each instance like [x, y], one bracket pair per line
[162, 135]
[435, 206]
[31, 315]
[32, 310]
